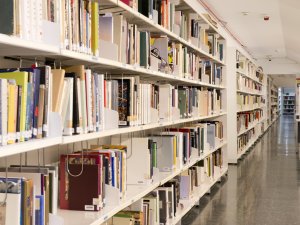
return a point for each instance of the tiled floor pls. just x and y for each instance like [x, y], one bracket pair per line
[264, 189]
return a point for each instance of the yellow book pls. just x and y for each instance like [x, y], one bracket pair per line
[95, 28]
[175, 150]
[11, 126]
[21, 79]
[58, 84]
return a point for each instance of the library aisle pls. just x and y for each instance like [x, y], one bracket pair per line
[264, 189]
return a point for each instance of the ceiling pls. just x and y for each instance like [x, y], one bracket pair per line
[276, 38]
[284, 80]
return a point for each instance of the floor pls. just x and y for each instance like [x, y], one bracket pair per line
[263, 189]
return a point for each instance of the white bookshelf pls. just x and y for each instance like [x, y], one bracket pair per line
[247, 70]
[17, 47]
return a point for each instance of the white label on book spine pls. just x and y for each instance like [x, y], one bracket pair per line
[45, 127]
[34, 131]
[89, 207]
[79, 130]
[40, 130]
[18, 135]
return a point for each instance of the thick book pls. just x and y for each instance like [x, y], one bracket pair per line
[7, 17]
[58, 82]
[84, 190]
[124, 101]
[95, 28]
[66, 161]
[3, 111]
[76, 107]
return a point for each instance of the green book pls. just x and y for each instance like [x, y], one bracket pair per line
[143, 49]
[182, 102]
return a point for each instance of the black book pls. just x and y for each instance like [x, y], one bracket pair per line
[19, 103]
[7, 17]
[76, 121]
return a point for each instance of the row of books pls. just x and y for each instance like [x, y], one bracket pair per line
[246, 84]
[26, 103]
[30, 194]
[101, 167]
[81, 22]
[245, 139]
[80, 97]
[248, 119]
[248, 102]
[163, 204]
[28, 19]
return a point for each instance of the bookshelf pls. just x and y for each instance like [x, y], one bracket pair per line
[288, 104]
[273, 101]
[48, 45]
[246, 113]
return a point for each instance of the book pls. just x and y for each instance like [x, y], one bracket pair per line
[58, 82]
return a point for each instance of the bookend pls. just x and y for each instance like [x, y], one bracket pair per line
[111, 119]
[55, 125]
[113, 196]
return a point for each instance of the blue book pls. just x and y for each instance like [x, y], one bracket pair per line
[113, 171]
[39, 210]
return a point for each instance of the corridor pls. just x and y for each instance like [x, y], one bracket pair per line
[263, 189]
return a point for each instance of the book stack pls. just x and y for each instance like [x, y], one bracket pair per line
[248, 102]
[248, 85]
[247, 138]
[29, 20]
[248, 119]
[30, 193]
[84, 177]
[163, 204]
[26, 103]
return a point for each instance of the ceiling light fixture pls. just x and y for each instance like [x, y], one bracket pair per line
[245, 13]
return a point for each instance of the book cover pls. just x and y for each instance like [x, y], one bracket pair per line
[84, 189]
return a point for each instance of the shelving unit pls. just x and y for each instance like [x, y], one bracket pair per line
[16, 47]
[273, 101]
[249, 85]
[288, 104]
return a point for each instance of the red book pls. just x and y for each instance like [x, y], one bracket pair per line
[127, 2]
[64, 175]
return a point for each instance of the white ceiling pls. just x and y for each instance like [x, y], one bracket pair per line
[284, 80]
[279, 37]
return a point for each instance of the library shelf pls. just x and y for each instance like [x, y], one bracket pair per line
[249, 93]
[27, 146]
[249, 128]
[248, 76]
[106, 65]
[12, 45]
[133, 194]
[106, 133]
[144, 22]
[248, 109]
[198, 193]
[248, 146]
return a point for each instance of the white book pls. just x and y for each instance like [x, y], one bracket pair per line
[117, 36]
[12, 209]
[68, 123]
[64, 100]
[165, 100]
[101, 101]
[83, 106]
[88, 79]
[4, 109]
[79, 129]
[179, 136]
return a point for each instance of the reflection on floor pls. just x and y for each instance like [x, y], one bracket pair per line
[264, 189]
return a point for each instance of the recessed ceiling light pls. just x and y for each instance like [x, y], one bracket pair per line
[245, 13]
